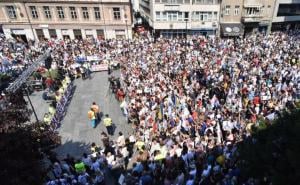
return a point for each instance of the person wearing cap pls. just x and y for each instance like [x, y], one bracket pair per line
[108, 124]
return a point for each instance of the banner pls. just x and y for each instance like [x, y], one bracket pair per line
[99, 67]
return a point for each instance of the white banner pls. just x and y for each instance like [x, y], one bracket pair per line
[99, 67]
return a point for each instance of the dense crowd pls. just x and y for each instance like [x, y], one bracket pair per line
[189, 102]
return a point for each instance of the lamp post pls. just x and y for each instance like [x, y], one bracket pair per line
[32, 107]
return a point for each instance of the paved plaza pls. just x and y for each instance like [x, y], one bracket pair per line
[76, 132]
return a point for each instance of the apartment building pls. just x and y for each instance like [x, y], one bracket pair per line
[230, 18]
[178, 18]
[39, 19]
[257, 15]
[240, 17]
[286, 15]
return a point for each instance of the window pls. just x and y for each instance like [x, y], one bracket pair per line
[100, 34]
[288, 9]
[60, 12]
[97, 13]
[117, 13]
[215, 17]
[77, 34]
[34, 13]
[227, 9]
[47, 12]
[52, 33]
[157, 14]
[205, 16]
[252, 11]
[171, 16]
[85, 12]
[11, 12]
[40, 34]
[236, 10]
[73, 12]
[164, 16]
[120, 34]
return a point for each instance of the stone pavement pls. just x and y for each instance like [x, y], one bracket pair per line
[76, 132]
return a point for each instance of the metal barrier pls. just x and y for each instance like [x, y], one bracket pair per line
[61, 107]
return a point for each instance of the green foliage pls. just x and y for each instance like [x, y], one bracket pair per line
[22, 143]
[273, 151]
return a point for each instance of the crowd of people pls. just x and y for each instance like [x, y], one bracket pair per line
[189, 103]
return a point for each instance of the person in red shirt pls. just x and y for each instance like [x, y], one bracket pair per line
[256, 100]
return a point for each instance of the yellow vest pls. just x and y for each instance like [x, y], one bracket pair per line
[107, 122]
[52, 110]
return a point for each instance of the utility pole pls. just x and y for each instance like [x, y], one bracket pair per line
[27, 94]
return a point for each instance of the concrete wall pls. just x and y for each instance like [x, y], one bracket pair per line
[285, 18]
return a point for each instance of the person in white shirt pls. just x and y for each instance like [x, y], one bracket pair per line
[121, 140]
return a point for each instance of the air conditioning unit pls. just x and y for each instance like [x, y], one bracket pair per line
[214, 24]
[203, 23]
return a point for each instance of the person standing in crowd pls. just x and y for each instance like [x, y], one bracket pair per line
[107, 121]
[92, 117]
[96, 110]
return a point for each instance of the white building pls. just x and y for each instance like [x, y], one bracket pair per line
[39, 19]
[172, 18]
[286, 14]
[135, 5]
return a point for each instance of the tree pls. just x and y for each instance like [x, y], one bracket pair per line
[22, 144]
[273, 152]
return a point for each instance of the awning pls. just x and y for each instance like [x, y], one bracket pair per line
[232, 29]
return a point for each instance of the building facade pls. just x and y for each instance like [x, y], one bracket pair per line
[286, 15]
[240, 17]
[257, 15]
[178, 18]
[39, 19]
[230, 18]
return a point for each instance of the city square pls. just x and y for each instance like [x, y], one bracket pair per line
[150, 103]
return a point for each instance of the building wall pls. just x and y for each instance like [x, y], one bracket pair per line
[107, 23]
[154, 11]
[277, 19]
[231, 14]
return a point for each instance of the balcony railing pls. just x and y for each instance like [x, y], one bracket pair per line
[251, 19]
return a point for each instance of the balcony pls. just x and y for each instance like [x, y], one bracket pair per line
[251, 18]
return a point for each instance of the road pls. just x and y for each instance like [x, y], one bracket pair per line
[75, 131]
